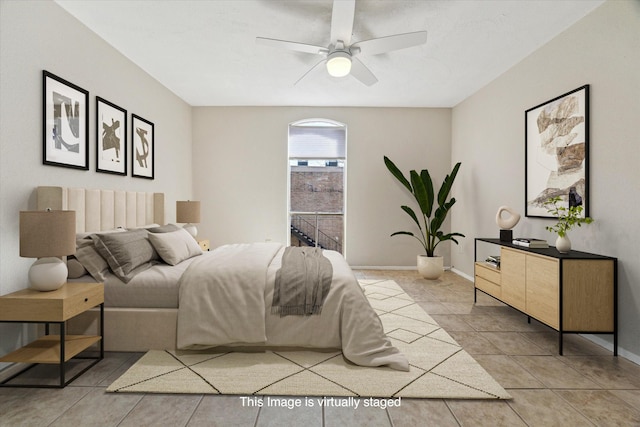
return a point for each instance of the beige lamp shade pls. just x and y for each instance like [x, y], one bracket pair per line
[47, 233]
[188, 212]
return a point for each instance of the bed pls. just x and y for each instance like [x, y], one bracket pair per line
[189, 299]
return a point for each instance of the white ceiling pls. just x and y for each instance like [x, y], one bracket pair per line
[205, 50]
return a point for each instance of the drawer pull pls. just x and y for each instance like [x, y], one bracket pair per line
[86, 299]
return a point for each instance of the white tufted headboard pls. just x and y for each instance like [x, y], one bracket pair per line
[99, 210]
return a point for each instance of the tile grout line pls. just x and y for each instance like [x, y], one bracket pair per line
[195, 410]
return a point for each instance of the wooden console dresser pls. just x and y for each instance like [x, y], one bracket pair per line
[575, 292]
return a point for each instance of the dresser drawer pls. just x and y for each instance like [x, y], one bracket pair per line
[488, 273]
[488, 287]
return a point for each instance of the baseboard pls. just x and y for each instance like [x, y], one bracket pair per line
[389, 267]
[461, 274]
[383, 267]
[11, 370]
[609, 346]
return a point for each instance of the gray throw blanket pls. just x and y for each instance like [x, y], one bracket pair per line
[302, 283]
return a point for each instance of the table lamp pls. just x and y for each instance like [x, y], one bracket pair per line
[188, 212]
[47, 235]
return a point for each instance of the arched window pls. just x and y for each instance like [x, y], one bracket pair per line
[317, 139]
[317, 160]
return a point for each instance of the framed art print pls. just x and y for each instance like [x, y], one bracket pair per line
[143, 147]
[557, 153]
[111, 138]
[65, 123]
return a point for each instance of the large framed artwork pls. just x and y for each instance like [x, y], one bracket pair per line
[143, 147]
[111, 138]
[65, 123]
[557, 153]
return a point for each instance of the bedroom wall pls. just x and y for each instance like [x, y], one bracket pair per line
[488, 136]
[240, 174]
[37, 35]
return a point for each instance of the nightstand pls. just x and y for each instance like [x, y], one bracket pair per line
[204, 244]
[55, 307]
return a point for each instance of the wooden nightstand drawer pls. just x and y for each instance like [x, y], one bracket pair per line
[86, 298]
[55, 306]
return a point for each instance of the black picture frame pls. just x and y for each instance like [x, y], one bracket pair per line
[65, 123]
[111, 138]
[557, 153]
[142, 148]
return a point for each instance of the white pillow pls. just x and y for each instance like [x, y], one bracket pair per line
[146, 226]
[175, 246]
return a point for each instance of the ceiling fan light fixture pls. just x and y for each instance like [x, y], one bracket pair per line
[339, 64]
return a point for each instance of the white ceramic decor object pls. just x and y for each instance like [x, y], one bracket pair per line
[509, 222]
[48, 274]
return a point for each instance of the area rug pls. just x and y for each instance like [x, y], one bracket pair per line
[440, 368]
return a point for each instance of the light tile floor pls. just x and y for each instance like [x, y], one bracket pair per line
[587, 386]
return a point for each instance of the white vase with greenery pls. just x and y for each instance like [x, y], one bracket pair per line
[568, 217]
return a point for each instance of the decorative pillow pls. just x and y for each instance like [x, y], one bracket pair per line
[143, 227]
[89, 257]
[75, 268]
[127, 253]
[175, 246]
[91, 260]
[164, 228]
[84, 236]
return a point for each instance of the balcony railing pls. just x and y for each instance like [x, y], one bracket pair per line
[306, 226]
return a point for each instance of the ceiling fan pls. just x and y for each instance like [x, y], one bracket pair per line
[340, 55]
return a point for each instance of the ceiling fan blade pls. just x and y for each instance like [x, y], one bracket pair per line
[362, 73]
[342, 20]
[389, 43]
[298, 47]
[310, 70]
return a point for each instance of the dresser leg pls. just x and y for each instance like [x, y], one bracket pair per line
[62, 350]
[101, 331]
[560, 343]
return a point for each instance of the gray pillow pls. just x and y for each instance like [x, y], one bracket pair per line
[176, 246]
[89, 257]
[91, 260]
[75, 268]
[127, 253]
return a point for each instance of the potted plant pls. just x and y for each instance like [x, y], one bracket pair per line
[568, 217]
[431, 220]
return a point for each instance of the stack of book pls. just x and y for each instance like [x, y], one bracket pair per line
[493, 261]
[528, 242]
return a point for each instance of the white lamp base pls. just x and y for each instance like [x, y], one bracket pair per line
[48, 274]
[191, 229]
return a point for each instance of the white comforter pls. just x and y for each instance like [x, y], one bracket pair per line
[225, 300]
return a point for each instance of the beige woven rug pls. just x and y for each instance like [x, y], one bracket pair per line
[440, 368]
